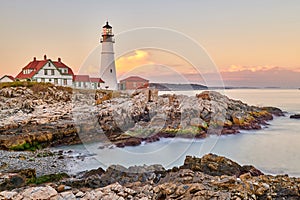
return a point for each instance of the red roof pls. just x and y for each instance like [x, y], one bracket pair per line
[81, 78]
[36, 65]
[134, 78]
[96, 80]
[8, 76]
[62, 65]
[11, 77]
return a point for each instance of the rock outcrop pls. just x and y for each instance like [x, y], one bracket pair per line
[217, 166]
[193, 180]
[35, 116]
[129, 121]
[295, 116]
[46, 115]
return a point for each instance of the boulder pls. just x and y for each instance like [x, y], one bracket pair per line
[41, 193]
[274, 111]
[218, 165]
[296, 116]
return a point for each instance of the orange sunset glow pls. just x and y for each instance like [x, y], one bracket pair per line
[251, 40]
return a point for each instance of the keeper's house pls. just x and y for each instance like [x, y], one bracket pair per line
[55, 72]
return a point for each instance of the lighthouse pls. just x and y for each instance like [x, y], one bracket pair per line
[108, 68]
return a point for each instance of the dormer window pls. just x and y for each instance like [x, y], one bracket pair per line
[64, 71]
[27, 71]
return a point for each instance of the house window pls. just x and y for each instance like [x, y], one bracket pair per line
[56, 81]
[84, 85]
[50, 80]
[64, 71]
[98, 84]
[110, 70]
[52, 72]
[43, 80]
[79, 84]
[49, 64]
[65, 81]
[45, 72]
[26, 71]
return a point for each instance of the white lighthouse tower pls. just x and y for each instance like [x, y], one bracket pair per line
[108, 68]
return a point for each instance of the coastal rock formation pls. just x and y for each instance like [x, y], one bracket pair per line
[129, 121]
[45, 115]
[154, 182]
[217, 165]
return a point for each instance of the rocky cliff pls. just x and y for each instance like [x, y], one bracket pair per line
[43, 115]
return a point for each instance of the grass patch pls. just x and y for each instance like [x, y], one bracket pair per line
[27, 147]
[35, 86]
[141, 132]
[47, 178]
[192, 130]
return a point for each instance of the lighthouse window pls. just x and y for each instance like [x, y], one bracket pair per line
[110, 70]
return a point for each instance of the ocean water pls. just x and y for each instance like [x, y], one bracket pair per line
[275, 149]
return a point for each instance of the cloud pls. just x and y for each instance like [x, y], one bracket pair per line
[238, 68]
[132, 61]
[258, 68]
[263, 77]
[162, 67]
[272, 77]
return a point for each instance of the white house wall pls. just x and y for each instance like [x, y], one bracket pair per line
[5, 79]
[57, 75]
[89, 85]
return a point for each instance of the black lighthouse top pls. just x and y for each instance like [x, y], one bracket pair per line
[106, 25]
[107, 30]
[107, 34]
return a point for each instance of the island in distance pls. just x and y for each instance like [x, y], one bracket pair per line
[194, 86]
[177, 87]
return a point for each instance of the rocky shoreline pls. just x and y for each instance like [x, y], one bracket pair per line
[36, 116]
[44, 115]
[209, 177]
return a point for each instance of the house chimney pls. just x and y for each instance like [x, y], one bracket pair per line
[59, 60]
[34, 58]
[45, 57]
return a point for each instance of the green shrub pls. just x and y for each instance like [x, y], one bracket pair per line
[27, 146]
[47, 178]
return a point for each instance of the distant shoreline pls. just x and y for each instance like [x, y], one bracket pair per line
[195, 86]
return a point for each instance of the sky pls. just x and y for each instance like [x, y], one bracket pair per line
[239, 43]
